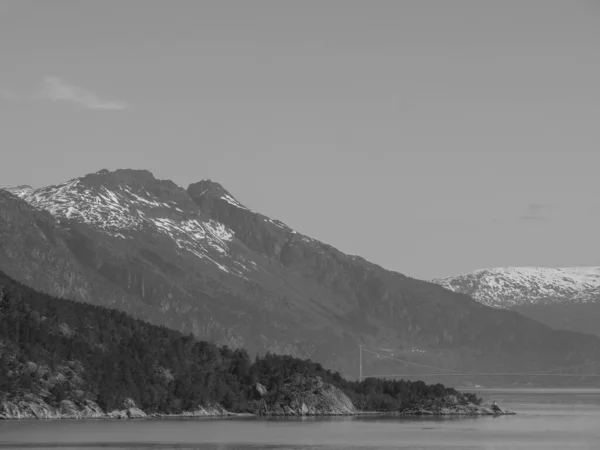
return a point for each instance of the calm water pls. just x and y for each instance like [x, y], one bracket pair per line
[548, 419]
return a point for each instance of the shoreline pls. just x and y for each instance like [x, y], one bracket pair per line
[479, 411]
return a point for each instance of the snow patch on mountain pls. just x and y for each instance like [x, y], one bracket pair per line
[120, 211]
[278, 223]
[232, 201]
[18, 190]
[507, 287]
[215, 190]
[73, 200]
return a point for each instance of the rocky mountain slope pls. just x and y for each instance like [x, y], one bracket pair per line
[197, 260]
[565, 298]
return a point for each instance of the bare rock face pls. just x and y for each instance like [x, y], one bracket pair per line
[28, 407]
[130, 411]
[68, 409]
[497, 410]
[135, 413]
[468, 409]
[33, 407]
[117, 415]
[91, 410]
[261, 390]
[200, 411]
[310, 397]
[304, 409]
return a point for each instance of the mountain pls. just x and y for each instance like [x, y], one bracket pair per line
[197, 260]
[565, 298]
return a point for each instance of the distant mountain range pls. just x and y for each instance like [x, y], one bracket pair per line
[198, 261]
[565, 298]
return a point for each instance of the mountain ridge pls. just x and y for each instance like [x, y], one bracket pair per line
[561, 297]
[509, 286]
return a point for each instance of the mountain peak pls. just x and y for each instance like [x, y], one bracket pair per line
[211, 189]
[131, 177]
[114, 201]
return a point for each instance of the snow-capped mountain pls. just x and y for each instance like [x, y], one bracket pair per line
[123, 204]
[199, 261]
[566, 298]
[507, 287]
[20, 190]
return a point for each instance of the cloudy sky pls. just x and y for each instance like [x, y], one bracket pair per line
[431, 137]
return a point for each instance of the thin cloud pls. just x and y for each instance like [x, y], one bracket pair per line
[58, 90]
[538, 212]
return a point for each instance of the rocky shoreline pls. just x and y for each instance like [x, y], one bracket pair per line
[306, 397]
[32, 408]
[459, 410]
[462, 410]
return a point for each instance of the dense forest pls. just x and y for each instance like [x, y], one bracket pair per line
[72, 350]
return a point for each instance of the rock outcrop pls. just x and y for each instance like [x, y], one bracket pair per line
[461, 410]
[202, 411]
[307, 397]
[260, 389]
[129, 411]
[31, 406]
[453, 405]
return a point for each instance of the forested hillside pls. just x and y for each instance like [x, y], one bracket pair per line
[63, 350]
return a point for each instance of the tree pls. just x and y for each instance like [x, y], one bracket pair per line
[4, 302]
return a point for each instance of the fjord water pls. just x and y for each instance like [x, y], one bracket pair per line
[547, 419]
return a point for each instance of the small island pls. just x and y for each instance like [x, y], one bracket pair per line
[61, 359]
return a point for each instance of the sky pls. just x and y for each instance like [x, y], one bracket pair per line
[430, 137]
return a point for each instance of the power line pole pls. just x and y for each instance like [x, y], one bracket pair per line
[359, 362]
